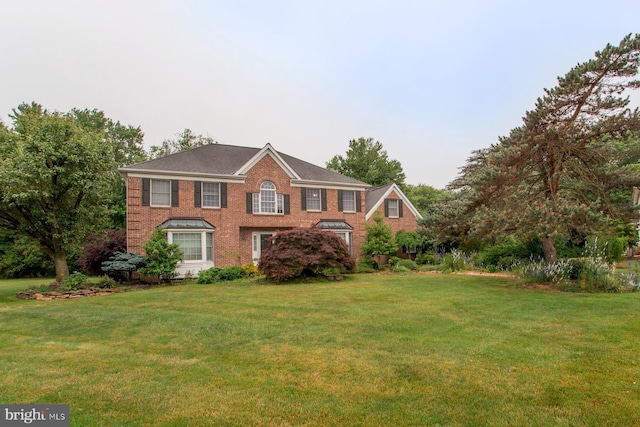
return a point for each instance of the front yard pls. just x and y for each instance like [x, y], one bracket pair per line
[370, 350]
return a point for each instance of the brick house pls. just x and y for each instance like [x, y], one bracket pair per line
[221, 203]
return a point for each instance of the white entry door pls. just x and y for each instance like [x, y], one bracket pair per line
[259, 242]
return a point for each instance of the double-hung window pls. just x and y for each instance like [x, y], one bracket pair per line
[348, 201]
[267, 201]
[211, 194]
[392, 207]
[267, 197]
[160, 192]
[313, 199]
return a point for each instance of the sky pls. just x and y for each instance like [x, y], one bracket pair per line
[432, 81]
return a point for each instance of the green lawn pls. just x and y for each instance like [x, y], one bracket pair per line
[372, 350]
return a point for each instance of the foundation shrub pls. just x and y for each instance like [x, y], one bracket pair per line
[304, 252]
[406, 263]
[100, 247]
[217, 274]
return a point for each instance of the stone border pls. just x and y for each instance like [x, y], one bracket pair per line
[80, 293]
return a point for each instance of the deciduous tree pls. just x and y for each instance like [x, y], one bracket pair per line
[368, 162]
[379, 240]
[183, 141]
[56, 174]
[304, 252]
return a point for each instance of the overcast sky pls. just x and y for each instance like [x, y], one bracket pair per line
[431, 80]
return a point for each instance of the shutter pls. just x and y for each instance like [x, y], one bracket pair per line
[340, 206]
[386, 208]
[400, 208]
[249, 203]
[323, 199]
[197, 194]
[223, 194]
[174, 192]
[303, 198]
[358, 201]
[287, 204]
[146, 191]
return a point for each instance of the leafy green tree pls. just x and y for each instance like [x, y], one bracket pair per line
[161, 257]
[379, 241]
[566, 170]
[184, 141]
[128, 148]
[423, 196]
[22, 257]
[368, 162]
[56, 175]
[413, 239]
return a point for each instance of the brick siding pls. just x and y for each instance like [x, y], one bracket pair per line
[234, 226]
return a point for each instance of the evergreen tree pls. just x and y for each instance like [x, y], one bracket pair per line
[566, 170]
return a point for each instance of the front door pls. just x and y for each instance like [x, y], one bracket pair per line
[259, 242]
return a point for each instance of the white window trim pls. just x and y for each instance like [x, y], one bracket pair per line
[256, 251]
[354, 201]
[202, 195]
[397, 208]
[349, 237]
[256, 202]
[203, 244]
[319, 199]
[153, 205]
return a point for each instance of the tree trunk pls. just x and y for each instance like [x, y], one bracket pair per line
[60, 261]
[549, 247]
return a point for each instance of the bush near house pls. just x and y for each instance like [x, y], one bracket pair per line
[379, 242]
[121, 264]
[304, 252]
[100, 247]
[162, 257]
[217, 274]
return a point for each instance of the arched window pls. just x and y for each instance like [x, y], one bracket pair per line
[268, 197]
[267, 201]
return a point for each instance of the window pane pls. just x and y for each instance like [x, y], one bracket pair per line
[256, 203]
[191, 245]
[267, 200]
[349, 201]
[280, 203]
[313, 199]
[160, 192]
[393, 208]
[209, 247]
[211, 194]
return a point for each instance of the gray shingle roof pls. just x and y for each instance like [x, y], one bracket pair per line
[375, 194]
[220, 159]
[209, 159]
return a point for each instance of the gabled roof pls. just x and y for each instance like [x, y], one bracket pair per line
[234, 161]
[376, 196]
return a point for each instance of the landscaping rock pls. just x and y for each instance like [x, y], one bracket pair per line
[46, 296]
